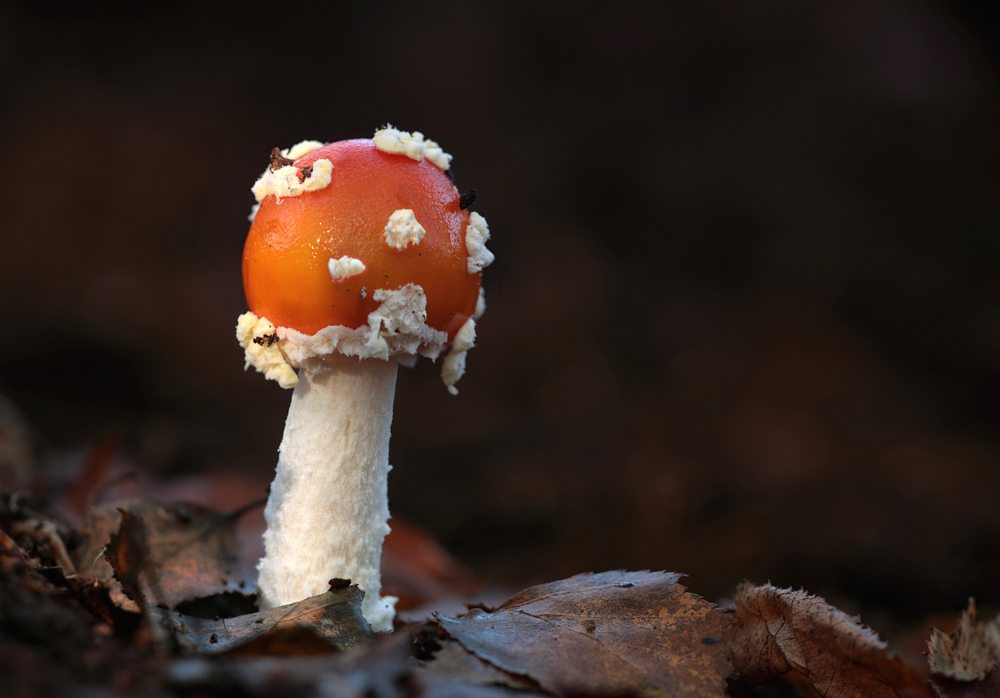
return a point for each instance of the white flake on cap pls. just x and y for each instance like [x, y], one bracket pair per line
[300, 149]
[403, 229]
[480, 304]
[285, 182]
[454, 363]
[476, 235]
[344, 267]
[395, 142]
[260, 349]
[253, 212]
[412, 145]
[434, 153]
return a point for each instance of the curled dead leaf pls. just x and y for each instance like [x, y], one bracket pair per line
[970, 652]
[613, 633]
[332, 620]
[780, 630]
[189, 552]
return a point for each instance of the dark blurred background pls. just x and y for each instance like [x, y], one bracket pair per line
[744, 319]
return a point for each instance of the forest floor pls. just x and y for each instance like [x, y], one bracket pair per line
[153, 597]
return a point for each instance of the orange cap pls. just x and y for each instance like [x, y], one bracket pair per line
[294, 273]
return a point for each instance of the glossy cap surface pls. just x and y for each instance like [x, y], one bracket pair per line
[286, 275]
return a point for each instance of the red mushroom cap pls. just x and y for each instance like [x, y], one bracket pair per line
[286, 261]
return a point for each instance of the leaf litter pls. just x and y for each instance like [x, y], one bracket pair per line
[147, 595]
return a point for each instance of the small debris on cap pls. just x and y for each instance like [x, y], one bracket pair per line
[286, 181]
[466, 200]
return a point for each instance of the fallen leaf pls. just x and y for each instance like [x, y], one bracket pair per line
[780, 630]
[384, 668]
[127, 552]
[334, 618]
[455, 663]
[615, 632]
[441, 687]
[376, 669]
[970, 652]
[189, 552]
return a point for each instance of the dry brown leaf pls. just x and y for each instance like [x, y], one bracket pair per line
[442, 687]
[189, 552]
[381, 669]
[455, 663]
[778, 630]
[128, 555]
[638, 633]
[970, 652]
[384, 668]
[333, 619]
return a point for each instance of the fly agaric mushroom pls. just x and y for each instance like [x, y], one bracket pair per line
[360, 256]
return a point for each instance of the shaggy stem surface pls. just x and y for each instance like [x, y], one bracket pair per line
[328, 510]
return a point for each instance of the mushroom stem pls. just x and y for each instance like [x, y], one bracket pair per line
[328, 509]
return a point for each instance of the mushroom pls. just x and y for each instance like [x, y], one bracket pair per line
[359, 257]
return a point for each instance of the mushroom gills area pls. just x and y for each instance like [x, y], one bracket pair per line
[328, 510]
